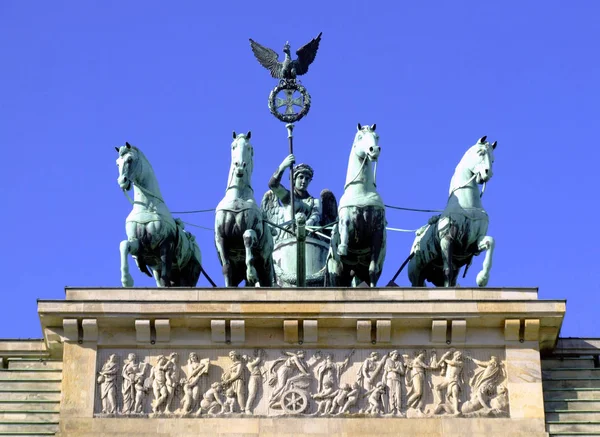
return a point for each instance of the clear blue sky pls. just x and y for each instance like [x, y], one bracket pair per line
[175, 78]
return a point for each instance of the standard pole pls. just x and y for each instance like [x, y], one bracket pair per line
[301, 251]
[290, 128]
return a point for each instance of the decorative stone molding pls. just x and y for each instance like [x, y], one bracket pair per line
[217, 331]
[290, 331]
[459, 331]
[163, 330]
[238, 331]
[383, 331]
[511, 329]
[310, 331]
[90, 329]
[142, 331]
[71, 330]
[532, 330]
[439, 329]
[363, 331]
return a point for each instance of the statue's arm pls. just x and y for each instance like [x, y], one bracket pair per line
[275, 182]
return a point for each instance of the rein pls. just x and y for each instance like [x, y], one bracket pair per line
[357, 174]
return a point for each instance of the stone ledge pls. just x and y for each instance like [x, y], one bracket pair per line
[293, 426]
[298, 294]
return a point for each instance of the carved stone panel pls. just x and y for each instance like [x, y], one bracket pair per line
[382, 382]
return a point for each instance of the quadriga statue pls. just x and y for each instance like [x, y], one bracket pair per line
[450, 240]
[155, 239]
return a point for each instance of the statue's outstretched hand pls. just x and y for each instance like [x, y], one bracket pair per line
[287, 162]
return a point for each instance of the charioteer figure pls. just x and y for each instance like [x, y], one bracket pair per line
[303, 201]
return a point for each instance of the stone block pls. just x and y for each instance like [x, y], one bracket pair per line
[142, 331]
[217, 331]
[438, 331]
[290, 331]
[238, 331]
[71, 329]
[532, 330]
[459, 331]
[311, 329]
[363, 331]
[90, 329]
[163, 330]
[383, 331]
[511, 329]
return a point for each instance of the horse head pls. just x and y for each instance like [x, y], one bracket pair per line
[479, 160]
[130, 167]
[366, 143]
[242, 162]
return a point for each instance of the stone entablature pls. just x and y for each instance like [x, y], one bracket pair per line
[164, 357]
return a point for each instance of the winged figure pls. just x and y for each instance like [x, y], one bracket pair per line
[288, 69]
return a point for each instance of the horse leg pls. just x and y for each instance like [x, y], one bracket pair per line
[377, 256]
[250, 240]
[446, 249]
[222, 252]
[488, 244]
[343, 227]
[127, 247]
[166, 262]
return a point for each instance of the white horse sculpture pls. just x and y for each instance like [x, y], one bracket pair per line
[154, 238]
[243, 239]
[450, 240]
[358, 241]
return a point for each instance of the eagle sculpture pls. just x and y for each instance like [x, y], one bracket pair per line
[288, 69]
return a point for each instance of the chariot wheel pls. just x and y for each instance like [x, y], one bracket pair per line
[294, 401]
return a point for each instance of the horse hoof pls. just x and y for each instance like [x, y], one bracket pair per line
[482, 279]
[342, 250]
[127, 281]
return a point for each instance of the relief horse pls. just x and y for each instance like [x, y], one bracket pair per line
[450, 240]
[154, 238]
[358, 241]
[243, 239]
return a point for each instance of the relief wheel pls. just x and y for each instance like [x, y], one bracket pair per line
[294, 401]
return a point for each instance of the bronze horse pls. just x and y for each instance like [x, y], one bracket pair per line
[243, 239]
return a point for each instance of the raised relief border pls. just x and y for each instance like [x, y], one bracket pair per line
[221, 383]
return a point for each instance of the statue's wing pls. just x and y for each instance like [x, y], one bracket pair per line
[306, 55]
[268, 58]
[329, 209]
[272, 212]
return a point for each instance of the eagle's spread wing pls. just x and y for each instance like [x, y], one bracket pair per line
[268, 58]
[306, 55]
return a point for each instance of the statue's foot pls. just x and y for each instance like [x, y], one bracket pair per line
[342, 249]
[127, 280]
[482, 278]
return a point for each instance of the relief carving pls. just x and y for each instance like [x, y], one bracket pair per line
[108, 387]
[485, 387]
[407, 383]
[234, 380]
[133, 388]
[255, 379]
[191, 386]
[448, 391]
